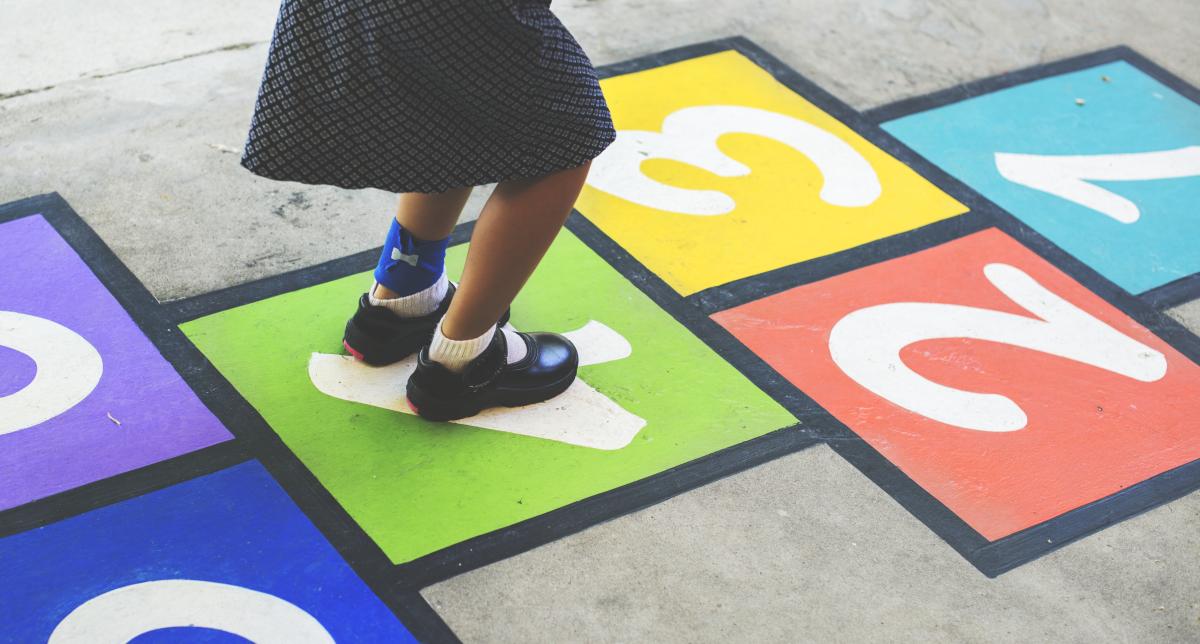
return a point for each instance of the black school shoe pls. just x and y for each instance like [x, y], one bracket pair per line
[379, 337]
[548, 368]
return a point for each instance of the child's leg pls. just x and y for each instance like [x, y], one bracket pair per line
[398, 315]
[472, 365]
[428, 219]
[517, 225]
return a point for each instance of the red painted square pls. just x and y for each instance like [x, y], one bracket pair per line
[1006, 436]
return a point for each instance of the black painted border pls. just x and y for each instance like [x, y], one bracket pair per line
[816, 424]
[398, 585]
[991, 558]
[251, 439]
[523, 536]
[1165, 296]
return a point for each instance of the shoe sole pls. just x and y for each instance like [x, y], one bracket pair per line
[432, 408]
[365, 348]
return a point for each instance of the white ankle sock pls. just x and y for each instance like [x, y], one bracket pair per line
[415, 305]
[455, 355]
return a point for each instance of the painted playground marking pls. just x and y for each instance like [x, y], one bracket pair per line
[937, 357]
[579, 416]
[226, 551]
[988, 381]
[122, 614]
[690, 135]
[91, 368]
[1073, 177]
[867, 344]
[473, 479]
[67, 369]
[715, 156]
[1114, 181]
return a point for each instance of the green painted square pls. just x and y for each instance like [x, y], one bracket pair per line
[415, 486]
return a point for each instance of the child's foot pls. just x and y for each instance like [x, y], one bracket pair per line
[386, 331]
[501, 376]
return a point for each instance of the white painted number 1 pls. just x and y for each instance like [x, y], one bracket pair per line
[690, 135]
[580, 416]
[866, 345]
[1068, 176]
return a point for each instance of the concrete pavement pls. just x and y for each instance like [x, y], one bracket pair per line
[136, 115]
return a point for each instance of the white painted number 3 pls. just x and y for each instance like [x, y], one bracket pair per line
[690, 135]
[866, 345]
[120, 615]
[68, 369]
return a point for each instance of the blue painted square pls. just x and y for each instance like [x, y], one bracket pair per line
[1104, 110]
[251, 555]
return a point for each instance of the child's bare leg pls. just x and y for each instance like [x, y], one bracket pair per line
[470, 364]
[517, 225]
[428, 216]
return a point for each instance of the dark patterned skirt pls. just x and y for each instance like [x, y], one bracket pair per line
[423, 95]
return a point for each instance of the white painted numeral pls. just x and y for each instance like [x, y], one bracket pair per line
[690, 135]
[120, 615]
[866, 345]
[68, 369]
[1068, 176]
[579, 416]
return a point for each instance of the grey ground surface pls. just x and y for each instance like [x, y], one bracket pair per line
[808, 548]
[135, 113]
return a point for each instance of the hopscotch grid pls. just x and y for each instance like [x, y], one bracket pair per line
[252, 437]
[817, 424]
[399, 584]
[523, 536]
[352, 542]
[990, 558]
[1168, 295]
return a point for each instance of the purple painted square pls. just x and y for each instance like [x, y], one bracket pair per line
[42, 277]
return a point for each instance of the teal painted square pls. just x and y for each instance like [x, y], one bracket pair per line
[1108, 109]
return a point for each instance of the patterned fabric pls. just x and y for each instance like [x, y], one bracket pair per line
[423, 95]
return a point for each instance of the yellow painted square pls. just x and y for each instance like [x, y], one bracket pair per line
[778, 215]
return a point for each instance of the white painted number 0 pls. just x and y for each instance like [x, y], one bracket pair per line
[120, 615]
[68, 369]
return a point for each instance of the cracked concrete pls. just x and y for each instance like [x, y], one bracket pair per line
[136, 114]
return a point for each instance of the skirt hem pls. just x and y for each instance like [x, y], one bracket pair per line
[422, 187]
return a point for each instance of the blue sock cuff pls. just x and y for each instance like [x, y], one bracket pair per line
[407, 264]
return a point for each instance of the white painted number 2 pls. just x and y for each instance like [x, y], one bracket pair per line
[1067, 177]
[866, 345]
[68, 369]
[122, 614]
[690, 135]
